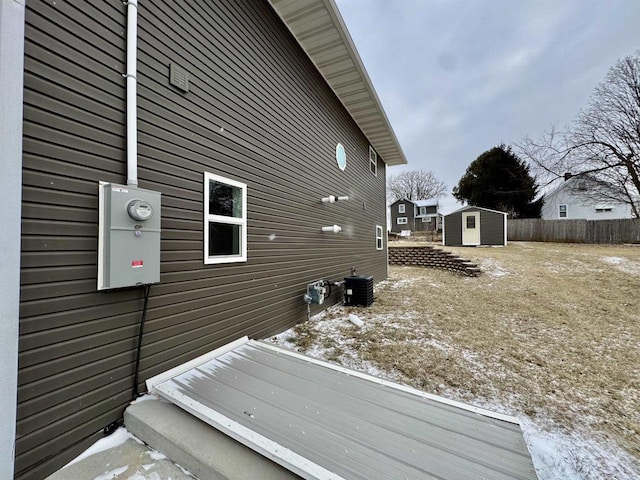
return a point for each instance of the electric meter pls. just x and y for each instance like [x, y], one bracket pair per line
[128, 236]
[139, 210]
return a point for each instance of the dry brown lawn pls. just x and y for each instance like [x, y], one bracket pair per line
[549, 332]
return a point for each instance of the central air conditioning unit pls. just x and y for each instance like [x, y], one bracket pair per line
[358, 290]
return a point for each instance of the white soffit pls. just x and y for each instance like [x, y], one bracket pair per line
[321, 32]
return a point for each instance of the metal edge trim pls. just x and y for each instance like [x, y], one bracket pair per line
[153, 382]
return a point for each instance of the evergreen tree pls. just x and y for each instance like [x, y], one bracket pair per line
[499, 180]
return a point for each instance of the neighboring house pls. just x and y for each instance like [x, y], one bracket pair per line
[474, 226]
[573, 198]
[416, 216]
[261, 108]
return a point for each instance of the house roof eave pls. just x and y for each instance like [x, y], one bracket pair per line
[321, 32]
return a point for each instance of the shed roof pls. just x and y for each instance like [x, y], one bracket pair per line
[470, 207]
[319, 29]
[322, 421]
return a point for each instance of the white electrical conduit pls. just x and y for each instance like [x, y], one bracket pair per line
[132, 118]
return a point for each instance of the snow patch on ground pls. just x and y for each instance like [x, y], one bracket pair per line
[574, 456]
[612, 260]
[152, 476]
[332, 328]
[623, 264]
[394, 284]
[146, 397]
[560, 455]
[574, 266]
[117, 438]
[493, 268]
[113, 474]
[155, 455]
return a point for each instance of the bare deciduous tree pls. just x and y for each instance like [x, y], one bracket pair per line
[414, 185]
[603, 142]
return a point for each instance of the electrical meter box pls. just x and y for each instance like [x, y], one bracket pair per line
[128, 236]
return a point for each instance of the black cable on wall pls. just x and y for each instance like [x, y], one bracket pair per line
[136, 393]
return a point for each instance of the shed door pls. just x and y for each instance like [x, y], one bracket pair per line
[471, 228]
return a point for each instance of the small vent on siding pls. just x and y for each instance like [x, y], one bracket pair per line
[178, 77]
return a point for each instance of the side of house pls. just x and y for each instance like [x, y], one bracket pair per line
[228, 101]
[571, 200]
[402, 215]
[416, 216]
[427, 215]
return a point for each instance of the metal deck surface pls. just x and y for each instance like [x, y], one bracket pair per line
[322, 421]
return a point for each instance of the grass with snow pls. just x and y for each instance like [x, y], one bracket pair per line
[549, 333]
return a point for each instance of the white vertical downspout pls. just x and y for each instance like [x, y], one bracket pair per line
[132, 117]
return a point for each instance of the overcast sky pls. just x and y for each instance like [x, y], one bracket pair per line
[458, 77]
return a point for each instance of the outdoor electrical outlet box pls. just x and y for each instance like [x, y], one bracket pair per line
[128, 236]
[317, 292]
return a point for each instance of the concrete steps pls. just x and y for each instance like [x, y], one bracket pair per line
[196, 446]
[126, 461]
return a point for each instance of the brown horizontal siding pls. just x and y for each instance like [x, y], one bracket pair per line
[34, 407]
[107, 386]
[85, 423]
[257, 111]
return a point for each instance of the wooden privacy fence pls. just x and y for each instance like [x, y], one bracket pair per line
[575, 231]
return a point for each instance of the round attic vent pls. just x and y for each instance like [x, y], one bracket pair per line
[341, 156]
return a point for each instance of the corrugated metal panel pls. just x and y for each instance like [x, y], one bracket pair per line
[280, 124]
[325, 422]
[320, 30]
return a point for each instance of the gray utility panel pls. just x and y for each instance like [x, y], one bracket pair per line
[129, 236]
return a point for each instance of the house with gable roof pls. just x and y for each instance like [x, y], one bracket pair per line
[572, 198]
[416, 215]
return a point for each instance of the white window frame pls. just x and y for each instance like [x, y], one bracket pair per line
[566, 211]
[379, 237]
[373, 161]
[426, 219]
[241, 221]
[401, 208]
[401, 220]
[423, 210]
